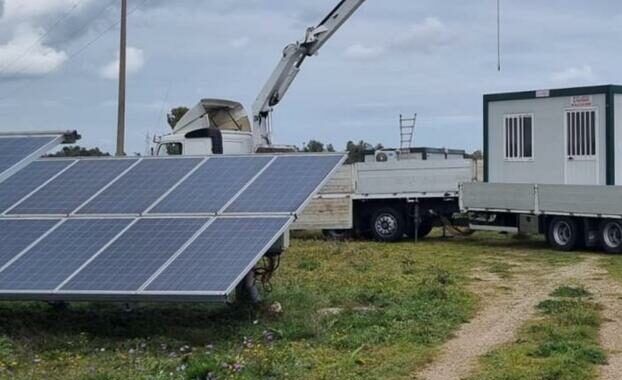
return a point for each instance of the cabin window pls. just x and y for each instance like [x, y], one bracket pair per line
[519, 137]
[171, 149]
[581, 133]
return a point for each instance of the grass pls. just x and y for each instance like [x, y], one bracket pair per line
[613, 264]
[355, 310]
[561, 344]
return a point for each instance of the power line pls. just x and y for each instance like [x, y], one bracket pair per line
[81, 49]
[41, 37]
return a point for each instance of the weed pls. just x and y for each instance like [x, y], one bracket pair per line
[571, 292]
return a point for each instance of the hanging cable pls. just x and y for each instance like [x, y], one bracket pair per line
[499, 35]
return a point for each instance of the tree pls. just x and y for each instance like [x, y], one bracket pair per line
[78, 151]
[313, 146]
[175, 115]
[356, 152]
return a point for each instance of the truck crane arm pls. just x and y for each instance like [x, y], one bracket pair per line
[288, 68]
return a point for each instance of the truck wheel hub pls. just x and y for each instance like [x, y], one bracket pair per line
[562, 233]
[386, 225]
[613, 235]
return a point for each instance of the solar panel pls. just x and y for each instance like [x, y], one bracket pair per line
[46, 265]
[285, 185]
[27, 180]
[186, 250]
[16, 149]
[141, 186]
[136, 256]
[210, 188]
[71, 189]
[17, 235]
[214, 262]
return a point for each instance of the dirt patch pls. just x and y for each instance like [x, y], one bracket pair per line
[507, 303]
[608, 294]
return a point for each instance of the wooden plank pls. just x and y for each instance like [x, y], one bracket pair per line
[326, 214]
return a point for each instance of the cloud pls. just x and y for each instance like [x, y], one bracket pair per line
[421, 37]
[25, 55]
[135, 62]
[240, 42]
[27, 9]
[424, 36]
[360, 52]
[574, 75]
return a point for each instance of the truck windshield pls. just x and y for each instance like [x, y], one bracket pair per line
[171, 149]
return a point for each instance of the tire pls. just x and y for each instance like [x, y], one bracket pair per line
[424, 230]
[564, 234]
[387, 225]
[611, 236]
[337, 235]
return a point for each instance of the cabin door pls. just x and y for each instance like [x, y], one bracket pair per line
[581, 129]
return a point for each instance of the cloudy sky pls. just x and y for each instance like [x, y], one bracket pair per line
[58, 63]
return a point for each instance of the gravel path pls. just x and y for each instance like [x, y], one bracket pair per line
[508, 304]
[607, 293]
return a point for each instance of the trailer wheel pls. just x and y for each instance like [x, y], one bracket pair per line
[388, 225]
[611, 236]
[563, 234]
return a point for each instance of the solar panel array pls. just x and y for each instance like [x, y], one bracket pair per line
[16, 151]
[147, 228]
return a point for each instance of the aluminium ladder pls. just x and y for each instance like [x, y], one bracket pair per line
[407, 132]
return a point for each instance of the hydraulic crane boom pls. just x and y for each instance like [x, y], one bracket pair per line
[288, 68]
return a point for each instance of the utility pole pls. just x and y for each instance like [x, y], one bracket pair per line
[122, 79]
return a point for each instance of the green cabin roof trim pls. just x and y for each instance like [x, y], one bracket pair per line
[608, 90]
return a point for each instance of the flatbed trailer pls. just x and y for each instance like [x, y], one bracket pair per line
[553, 166]
[569, 216]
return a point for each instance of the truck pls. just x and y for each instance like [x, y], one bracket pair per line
[391, 195]
[553, 166]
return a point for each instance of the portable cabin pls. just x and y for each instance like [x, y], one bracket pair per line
[564, 136]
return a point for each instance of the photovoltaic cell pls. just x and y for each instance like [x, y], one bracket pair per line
[210, 188]
[131, 260]
[15, 149]
[219, 255]
[58, 255]
[27, 180]
[141, 186]
[72, 188]
[17, 235]
[285, 185]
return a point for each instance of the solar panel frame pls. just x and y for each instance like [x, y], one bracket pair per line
[20, 179]
[141, 294]
[54, 140]
[226, 210]
[83, 210]
[159, 208]
[77, 284]
[286, 223]
[23, 269]
[26, 208]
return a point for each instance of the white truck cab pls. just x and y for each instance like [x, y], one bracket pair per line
[213, 126]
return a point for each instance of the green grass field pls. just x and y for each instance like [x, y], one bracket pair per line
[353, 310]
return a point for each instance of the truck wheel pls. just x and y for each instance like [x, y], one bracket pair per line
[387, 224]
[337, 235]
[563, 234]
[611, 236]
